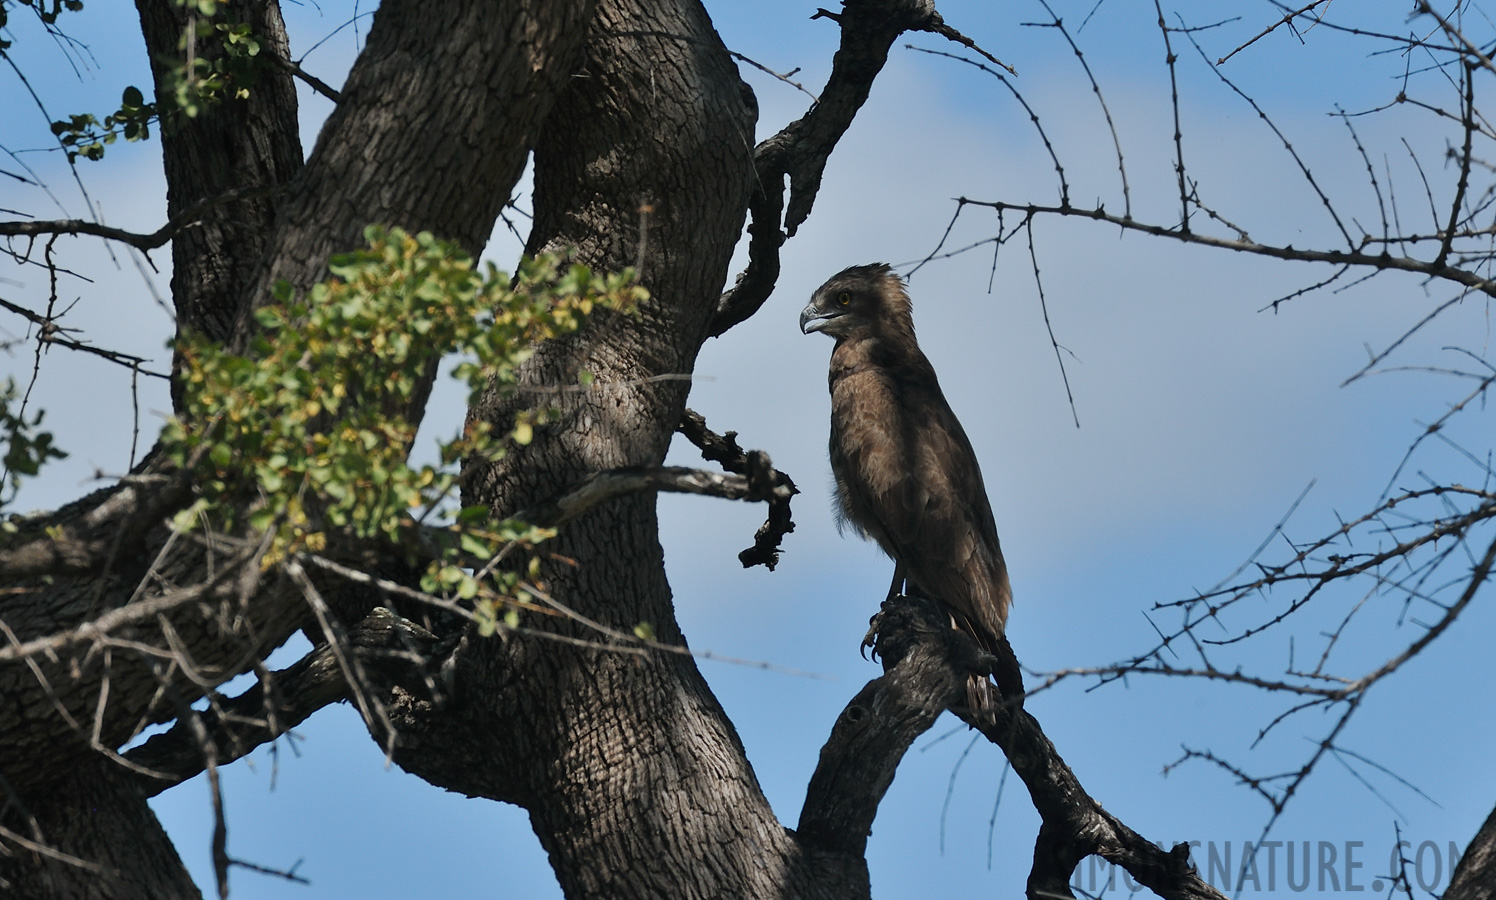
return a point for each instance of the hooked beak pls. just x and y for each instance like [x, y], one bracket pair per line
[812, 319]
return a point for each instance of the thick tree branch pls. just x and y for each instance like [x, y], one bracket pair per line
[925, 665]
[876, 728]
[86, 536]
[801, 149]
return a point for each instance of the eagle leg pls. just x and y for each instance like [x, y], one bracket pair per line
[894, 590]
[898, 581]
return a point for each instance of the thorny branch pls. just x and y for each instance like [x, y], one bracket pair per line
[49, 332]
[1428, 548]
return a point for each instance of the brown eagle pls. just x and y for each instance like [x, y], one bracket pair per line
[906, 475]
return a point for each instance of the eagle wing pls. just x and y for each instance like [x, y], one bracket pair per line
[907, 477]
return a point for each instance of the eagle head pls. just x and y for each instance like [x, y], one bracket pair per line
[859, 299]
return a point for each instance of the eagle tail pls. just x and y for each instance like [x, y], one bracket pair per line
[1007, 672]
[981, 694]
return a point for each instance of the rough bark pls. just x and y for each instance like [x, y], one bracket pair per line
[431, 133]
[877, 727]
[182, 618]
[241, 145]
[1474, 878]
[432, 129]
[96, 839]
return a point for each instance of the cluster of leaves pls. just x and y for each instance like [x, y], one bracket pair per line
[204, 80]
[26, 449]
[84, 135]
[217, 62]
[308, 434]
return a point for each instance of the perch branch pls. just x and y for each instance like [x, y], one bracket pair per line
[925, 669]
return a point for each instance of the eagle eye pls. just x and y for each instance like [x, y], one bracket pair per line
[844, 298]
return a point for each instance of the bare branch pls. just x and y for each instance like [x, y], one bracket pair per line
[185, 219]
[1287, 17]
[49, 332]
[280, 701]
[1384, 260]
[1059, 25]
[601, 487]
[312, 81]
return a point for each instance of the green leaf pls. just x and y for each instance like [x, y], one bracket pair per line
[483, 616]
[474, 546]
[470, 514]
[185, 520]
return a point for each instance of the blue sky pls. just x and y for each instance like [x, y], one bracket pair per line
[1202, 418]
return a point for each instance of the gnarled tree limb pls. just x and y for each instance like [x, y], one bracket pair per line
[765, 482]
[925, 665]
[801, 149]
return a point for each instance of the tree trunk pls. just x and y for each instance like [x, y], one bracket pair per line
[635, 780]
[95, 839]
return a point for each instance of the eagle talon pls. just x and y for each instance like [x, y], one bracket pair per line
[871, 638]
